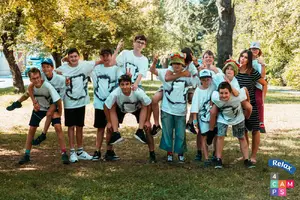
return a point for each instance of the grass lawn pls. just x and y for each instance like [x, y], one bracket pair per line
[133, 178]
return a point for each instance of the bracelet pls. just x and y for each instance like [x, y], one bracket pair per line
[195, 122]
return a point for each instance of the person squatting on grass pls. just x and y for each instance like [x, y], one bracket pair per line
[200, 111]
[124, 99]
[231, 113]
[248, 77]
[45, 94]
[174, 107]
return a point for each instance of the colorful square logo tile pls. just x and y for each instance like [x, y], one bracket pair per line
[274, 184]
[282, 184]
[281, 192]
[274, 192]
[274, 176]
[290, 183]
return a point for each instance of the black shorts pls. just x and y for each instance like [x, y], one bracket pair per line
[100, 120]
[75, 116]
[121, 115]
[213, 133]
[36, 118]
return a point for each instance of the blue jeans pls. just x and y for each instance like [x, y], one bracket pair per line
[169, 123]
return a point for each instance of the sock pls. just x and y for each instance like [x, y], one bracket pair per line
[170, 153]
[43, 133]
[80, 150]
[72, 150]
[199, 152]
[27, 152]
[63, 151]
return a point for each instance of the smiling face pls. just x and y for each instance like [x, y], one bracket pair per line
[139, 45]
[224, 94]
[177, 67]
[229, 72]
[255, 52]
[208, 59]
[73, 59]
[125, 87]
[47, 69]
[35, 79]
[106, 58]
[205, 82]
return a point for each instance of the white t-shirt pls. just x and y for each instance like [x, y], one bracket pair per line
[201, 105]
[59, 83]
[219, 78]
[137, 65]
[77, 92]
[104, 82]
[193, 70]
[231, 112]
[257, 66]
[45, 95]
[128, 104]
[174, 99]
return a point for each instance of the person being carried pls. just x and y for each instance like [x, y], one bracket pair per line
[45, 95]
[231, 113]
[124, 100]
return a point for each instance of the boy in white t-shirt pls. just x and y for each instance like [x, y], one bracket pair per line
[104, 78]
[125, 100]
[45, 95]
[133, 62]
[200, 111]
[231, 113]
[76, 99]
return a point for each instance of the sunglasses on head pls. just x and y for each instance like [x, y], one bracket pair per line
[179, 55]
[140, 42]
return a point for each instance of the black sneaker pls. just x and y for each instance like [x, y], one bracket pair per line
[140, 135]
[111, 156]
[152, 157]
[96, 156]
[190, 128]
[14, 105]
[248, 163]
[198, 157]
[24, 159]
[65, 158]
[39, 139]
[207, 163]
[262, 128]
[115, 138]
[219, 164]
[155, 130]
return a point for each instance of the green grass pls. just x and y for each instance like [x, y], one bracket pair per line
[133, 178]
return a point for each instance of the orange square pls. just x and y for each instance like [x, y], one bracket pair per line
[282, 184]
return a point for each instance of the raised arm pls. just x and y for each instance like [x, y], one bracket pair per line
[114, 56]
[153, 69]
[36, 105]
[170, 76]
[264, 83]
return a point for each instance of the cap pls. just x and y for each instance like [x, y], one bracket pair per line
[255, 45]
[205, 73]
[47, 61]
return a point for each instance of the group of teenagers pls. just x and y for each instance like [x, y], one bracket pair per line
[232, 96]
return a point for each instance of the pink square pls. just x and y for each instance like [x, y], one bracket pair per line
[290, 183]
[281, 192]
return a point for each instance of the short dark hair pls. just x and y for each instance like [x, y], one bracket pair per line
[72, 50]
[124, 78]
[208, 52]
[105, 51]
[33, 71]
[188, 53]
[140, 37]
[225, 85]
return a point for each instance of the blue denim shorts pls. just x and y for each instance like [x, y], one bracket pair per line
[238, 130]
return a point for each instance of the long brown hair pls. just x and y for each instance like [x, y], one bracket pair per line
[249, 67]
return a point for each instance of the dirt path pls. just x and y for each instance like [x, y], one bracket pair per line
[277, 116]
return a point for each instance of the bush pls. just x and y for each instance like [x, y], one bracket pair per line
[292, 73]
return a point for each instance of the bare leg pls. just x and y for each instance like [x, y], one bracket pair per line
[108, 136]
[155, 107]
[213, 117]
[114, 118]
[199, 141]
[244, 147]
[204, 147]
[255, 144]
[49, 116]
[247, 107]
[30, 136]
[142, 117]
[99, 138]
[71, 131]
[79, 136]
[220, 146]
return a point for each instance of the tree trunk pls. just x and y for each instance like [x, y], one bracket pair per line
[225, 32]
[9, 55]
[57, 58]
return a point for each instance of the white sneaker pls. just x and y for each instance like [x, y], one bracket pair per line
[73, 157]
[84, 156]
[170, 158]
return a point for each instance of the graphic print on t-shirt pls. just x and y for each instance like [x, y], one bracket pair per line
[177, 91]
[231, 112]
[130, 106]
[104, 81]
[205, 111]
[80, 91]
[134, 70]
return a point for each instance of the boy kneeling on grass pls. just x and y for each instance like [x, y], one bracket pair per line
[231, 113]
[45, 95]
[124, 100]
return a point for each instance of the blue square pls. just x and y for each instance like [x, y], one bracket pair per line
[274, 192]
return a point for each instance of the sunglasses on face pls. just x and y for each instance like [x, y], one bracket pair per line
[179, 55]
[140, 42]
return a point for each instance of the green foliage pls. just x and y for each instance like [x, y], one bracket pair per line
[292, 73]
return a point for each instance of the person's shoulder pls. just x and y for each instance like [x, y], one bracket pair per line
[139, 92]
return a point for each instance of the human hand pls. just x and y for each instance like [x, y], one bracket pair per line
[120, 45]
[147, 126]
[134, 87]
